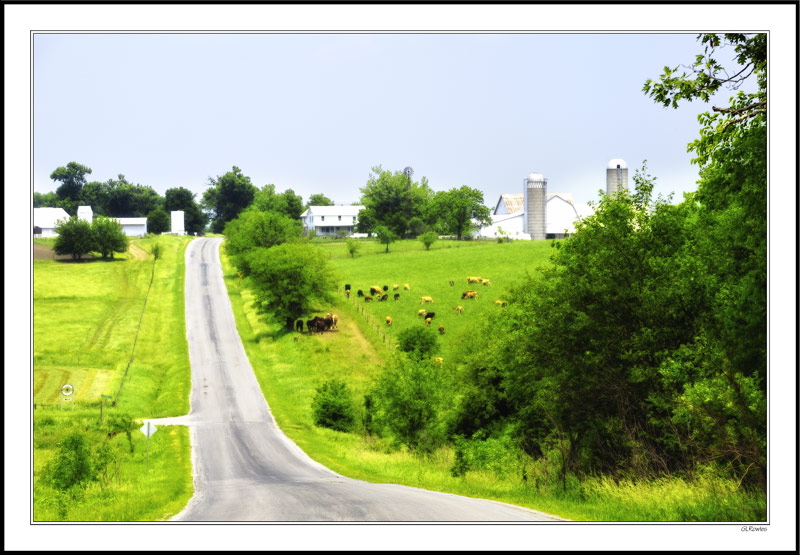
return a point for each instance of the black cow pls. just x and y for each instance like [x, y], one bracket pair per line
[430, 315]
[299, 326]
[384, 297]
[310, 326]
[385, 287]
[396, 296]
[360, 293]
[347, 287]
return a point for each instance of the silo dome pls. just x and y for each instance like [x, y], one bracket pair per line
[614, 162]
[535, 177]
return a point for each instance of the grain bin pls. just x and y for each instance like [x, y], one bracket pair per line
[616, 175]
[535, 189]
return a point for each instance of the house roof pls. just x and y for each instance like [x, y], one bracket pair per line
[342, 210]
[46, 217]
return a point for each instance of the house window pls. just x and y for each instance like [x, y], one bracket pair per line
[323, 218]
[340, 218]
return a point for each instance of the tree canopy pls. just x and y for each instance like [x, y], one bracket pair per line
[458, 211]
[109, 236]
[179, 198]
[318, 199]
[392, 200]
[75, 237]
[72, 178]
[254, 228]
[227, 196]
[289, 280]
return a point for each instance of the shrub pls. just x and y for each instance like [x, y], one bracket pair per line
[72, 465]
[155, 250]
[412, 399]
[352, 246]
[418, 342]
[428, 239]
[332, 407]
[158, 221]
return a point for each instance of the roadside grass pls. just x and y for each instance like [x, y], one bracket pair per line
[86, 316]
[289, 372]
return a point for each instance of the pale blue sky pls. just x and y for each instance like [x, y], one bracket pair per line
[314, 112]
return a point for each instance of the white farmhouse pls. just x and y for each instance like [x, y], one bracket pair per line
[46, 220]
[327, 221]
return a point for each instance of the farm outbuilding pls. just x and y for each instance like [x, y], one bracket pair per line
[46, 220]
[133, 227]
[328, 221]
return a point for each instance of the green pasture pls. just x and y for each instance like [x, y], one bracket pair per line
[337, 248]
[428, 273]
[86, 316]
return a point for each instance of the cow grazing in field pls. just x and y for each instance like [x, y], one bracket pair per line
[332, 319]
[474, 279]
[367, 298]
[347, 293]
[388, 320]
[458, 308]
[487, 282]
[395, 287]
[385, 287]
[299, 326]
[347, 287]
[316, 324]
[396, 296]
[427, 321]
[422, 312]
[360, 293]
[470, 294]
[426, 300]
[375, 290]
[430, 315]
[384, 297]
[501, 303]
[441, 330]
[406, 287]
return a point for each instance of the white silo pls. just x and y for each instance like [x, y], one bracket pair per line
[85, 213]
[177, 222]
[535, 203]
[616, 175]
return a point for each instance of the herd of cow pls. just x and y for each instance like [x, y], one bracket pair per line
[318, 324]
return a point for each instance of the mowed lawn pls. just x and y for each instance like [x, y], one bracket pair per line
[86, 316]
[428, 273]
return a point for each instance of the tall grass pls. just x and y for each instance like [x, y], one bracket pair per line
[86, 316]
[289, 372]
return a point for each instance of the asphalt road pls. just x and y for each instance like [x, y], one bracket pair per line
[246, 469]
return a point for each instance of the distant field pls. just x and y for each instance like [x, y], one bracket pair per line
[337, 248]
[428, 273]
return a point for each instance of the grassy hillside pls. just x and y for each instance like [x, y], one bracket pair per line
[86, 316]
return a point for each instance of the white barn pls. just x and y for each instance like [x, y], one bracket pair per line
[509, 218]
[327, 221]
[46, 219]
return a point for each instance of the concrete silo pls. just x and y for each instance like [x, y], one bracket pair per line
[535, 203]
[616, 175]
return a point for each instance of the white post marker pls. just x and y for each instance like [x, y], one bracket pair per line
[148, 430]
[66, 391]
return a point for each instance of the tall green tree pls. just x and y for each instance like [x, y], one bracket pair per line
[385, 236]
[72, 178]
[158, 221]
[289, 280]
[392, 200]
[458, 211]
[49, 199]
[227, 196]
[292, 204]
[109, 236]
[180, 198]
[75, 237]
